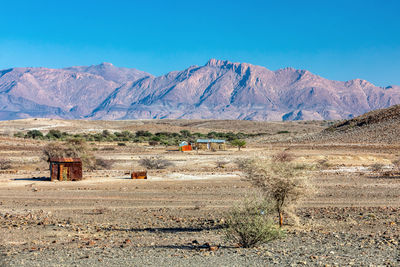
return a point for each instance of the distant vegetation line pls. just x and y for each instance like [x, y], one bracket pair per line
[163, 138]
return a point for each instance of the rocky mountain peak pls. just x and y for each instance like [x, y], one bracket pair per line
[105, 65]
[240, 68]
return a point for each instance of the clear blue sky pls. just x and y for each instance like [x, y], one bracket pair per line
[336, 39]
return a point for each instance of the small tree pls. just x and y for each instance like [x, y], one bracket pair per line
[282, 182]
[239, 143]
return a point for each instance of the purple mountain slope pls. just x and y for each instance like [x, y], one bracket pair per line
[226, 90]
[60, 93]
[217, 90]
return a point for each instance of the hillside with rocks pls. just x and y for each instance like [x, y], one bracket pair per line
[378, 126]
[218, 90]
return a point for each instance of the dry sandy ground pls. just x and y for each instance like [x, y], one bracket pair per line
[110, 220]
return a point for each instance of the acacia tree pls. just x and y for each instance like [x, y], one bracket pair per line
[239, 143]
[284, 183]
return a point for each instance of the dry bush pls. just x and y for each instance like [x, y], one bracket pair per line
[72, 148]
[251, 224]
[376, 167]
[283, 156]
[284, 183]
[5, 164]
[324, 164]
[156, 162]
[56, 150]
[221, 163]
[104, 164]
[396, 164]
[108, 148]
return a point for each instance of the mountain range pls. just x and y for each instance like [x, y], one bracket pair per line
[218, 90]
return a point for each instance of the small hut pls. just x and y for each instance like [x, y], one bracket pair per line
[66, 169]
[185, 146]
[210, 144]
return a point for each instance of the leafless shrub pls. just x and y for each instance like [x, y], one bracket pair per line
[396, 164]
[283, 156]
[324, 164]
[5, 164]
[104, 164]
[251, 224]
[284, 183]
[221, 163]
[376, 167]
[155, 162]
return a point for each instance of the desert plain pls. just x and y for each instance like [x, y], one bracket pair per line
[176, 217]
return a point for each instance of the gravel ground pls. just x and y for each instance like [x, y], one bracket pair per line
[311, 249]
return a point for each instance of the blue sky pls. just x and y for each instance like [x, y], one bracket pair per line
[338, 40]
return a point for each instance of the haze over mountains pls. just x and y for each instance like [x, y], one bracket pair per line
[217, 90]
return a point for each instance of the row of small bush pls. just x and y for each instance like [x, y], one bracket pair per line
[163, 138]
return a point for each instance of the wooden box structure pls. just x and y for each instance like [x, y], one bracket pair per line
[66, 169]
[210, 144]
[139, 175]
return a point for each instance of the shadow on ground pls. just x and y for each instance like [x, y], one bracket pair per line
[33, 179]
[167, 229]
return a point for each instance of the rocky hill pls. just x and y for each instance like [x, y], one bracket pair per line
[378, 126]
[218, 90]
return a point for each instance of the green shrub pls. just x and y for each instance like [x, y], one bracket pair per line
[250, 225]
[143, 133]
[34, 134]
[121, 144]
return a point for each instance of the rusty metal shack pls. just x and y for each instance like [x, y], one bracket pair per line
[66, 169]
